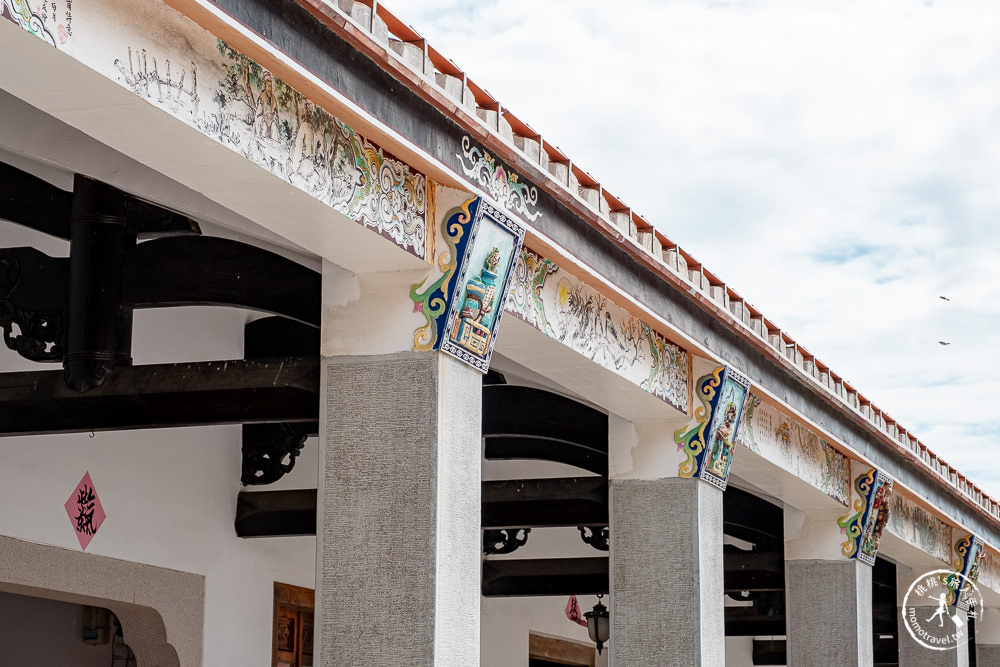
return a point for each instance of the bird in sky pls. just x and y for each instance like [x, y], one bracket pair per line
[944, 343]
[944, 298]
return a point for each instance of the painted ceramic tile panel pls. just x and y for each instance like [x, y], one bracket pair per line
[503, 185]
[709, 444]
[463, 315]
[969, 553]
[176, 66]
[864, 526]
[564, 308]
[920, 528]
[775, 436]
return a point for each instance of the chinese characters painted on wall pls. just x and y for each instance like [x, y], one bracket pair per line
[86, 514]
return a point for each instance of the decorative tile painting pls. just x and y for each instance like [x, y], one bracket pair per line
[462, 315]
[776, 437]
[564, 308]
[503, 185]
[920, 528]
[709, 445]
[969, 554]
[864, 527]
[177, 66]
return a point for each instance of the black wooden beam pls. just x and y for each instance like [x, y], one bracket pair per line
[514, 411]
[769, 652]
[167, 395]
[199, 271]
[753, 519]
[752, 571]
[537, 503]
[30, 201]
[37, 204]
[33, 297]
[98, 329]
[274, 513]
[750, 622]
[506, 448]
[545, 576]
[279, 337]
[528, 423]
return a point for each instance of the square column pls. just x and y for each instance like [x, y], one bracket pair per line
[399, 543]
[988, 638]
[913, 653]
[829, 612]
[924, 608]
[666, 573]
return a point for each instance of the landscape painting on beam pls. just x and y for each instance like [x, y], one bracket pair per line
[175, 65]
[778, 438]
[566, 309]
[919, 527]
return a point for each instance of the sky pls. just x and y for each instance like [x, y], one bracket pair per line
[836, 163]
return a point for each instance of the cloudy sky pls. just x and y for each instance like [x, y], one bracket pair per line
[837, 163]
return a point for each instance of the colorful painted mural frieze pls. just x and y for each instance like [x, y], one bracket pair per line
[775, 436]
[920, 528]
[463, 315]
[502, 185]
[864, 527]
[205, 83]
[44, 22]
[709, 444]
[275, 126]
[969, 554]
[525, 301]
[587, 322]
[176, 90]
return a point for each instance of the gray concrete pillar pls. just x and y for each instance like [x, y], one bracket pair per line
[921, 615]
[988, 638]
[912, 652]
[666, 573]
[399, 543]
[987, 656]
[829, 610]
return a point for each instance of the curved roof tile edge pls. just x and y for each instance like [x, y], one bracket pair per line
[412, 50]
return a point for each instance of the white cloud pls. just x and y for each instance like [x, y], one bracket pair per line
[835, 162]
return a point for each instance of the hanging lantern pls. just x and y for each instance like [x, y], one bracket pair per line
[598, 624]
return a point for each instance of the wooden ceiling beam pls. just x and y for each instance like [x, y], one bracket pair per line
[545, 503]
[545, 576]
[272, 513]
[162, 396]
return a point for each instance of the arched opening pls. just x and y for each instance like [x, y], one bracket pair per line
[160, 611]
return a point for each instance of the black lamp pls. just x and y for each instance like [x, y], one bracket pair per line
[598, 624]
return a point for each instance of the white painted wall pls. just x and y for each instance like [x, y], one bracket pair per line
[170, 495]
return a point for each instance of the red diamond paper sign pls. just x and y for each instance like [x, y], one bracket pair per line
[85, 511]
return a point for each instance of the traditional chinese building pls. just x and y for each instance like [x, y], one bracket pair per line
[316, 354]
